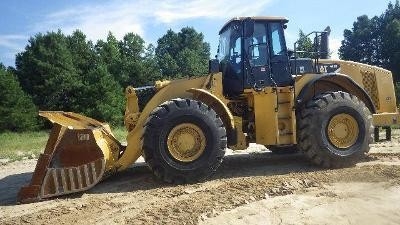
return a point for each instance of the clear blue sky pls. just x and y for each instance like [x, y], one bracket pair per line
[21, 19]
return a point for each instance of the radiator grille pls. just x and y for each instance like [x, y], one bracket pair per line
[369, 82]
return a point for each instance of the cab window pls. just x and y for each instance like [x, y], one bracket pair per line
[277, 39]
[257, 46]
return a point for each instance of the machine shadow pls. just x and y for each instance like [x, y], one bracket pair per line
[10, 185]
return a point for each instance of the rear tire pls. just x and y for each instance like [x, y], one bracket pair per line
[334, 129]
[184, 141]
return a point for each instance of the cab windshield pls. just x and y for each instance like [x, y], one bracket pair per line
[230, 49]
[257, 46]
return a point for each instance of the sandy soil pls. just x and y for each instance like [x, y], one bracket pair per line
[338, 203]
[252, 188]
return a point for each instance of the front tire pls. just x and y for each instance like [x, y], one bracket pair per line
[334, 129]
[184, 141]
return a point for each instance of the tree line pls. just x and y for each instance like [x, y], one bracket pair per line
[376, 41]
[71, 73]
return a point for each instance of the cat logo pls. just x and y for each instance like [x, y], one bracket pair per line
[83, 137]
[329, 68]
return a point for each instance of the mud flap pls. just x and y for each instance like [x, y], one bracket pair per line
[78, 154]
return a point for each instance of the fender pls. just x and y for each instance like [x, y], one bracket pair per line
[222, 110]
[171, 90]
[333, 82]
[184, 88]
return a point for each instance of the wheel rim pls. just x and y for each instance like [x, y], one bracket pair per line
[186, 142]
[343, 130]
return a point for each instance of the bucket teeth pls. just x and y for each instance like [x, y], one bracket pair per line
[71, 179]
[61, 181]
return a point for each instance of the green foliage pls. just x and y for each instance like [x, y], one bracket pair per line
[17, 111]
[190, 63]
[362, 43]
[70, 73]
[102, 96]
[46, 71]
[132, 50]
[183, 54]
[128, 61]
[151, 70]
[65, 73]
[305, 44]
[84, 57]
[375, 41]
[110, 55]
[397, 92]
[391, 41]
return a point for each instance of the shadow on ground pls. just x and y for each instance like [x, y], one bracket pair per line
[10, 185]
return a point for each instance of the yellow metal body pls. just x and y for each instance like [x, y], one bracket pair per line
[375, 81]
[273, 109]
[274, 112]
[378, 83]
[266, 116]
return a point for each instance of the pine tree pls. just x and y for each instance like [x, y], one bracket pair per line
[306, 45]
[375, 41]
[17, 111]
[183, 54]
[46, 71]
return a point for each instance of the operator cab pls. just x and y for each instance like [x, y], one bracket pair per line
[252, 53]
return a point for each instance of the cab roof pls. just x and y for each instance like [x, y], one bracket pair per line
[256, 18]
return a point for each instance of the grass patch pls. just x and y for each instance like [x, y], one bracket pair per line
[120, 133]
[16, 146]
[28, 145]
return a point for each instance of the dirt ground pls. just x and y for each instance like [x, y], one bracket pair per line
[253, 187]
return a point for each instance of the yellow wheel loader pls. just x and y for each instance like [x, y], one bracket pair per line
[257, 91]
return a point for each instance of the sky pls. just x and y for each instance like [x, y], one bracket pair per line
[22, 19]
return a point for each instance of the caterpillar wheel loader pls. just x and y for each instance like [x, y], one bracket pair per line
[257, 91]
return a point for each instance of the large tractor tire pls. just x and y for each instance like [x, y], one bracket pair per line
[184, 141]
[334, 129]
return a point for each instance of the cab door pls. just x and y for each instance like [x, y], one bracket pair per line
[230, 56]
[258, 68]
[278, 56]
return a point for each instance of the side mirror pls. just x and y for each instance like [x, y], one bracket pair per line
[213, 66]
[248, 25]
[290, 53]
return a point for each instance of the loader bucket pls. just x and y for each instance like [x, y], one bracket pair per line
[78, 154]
